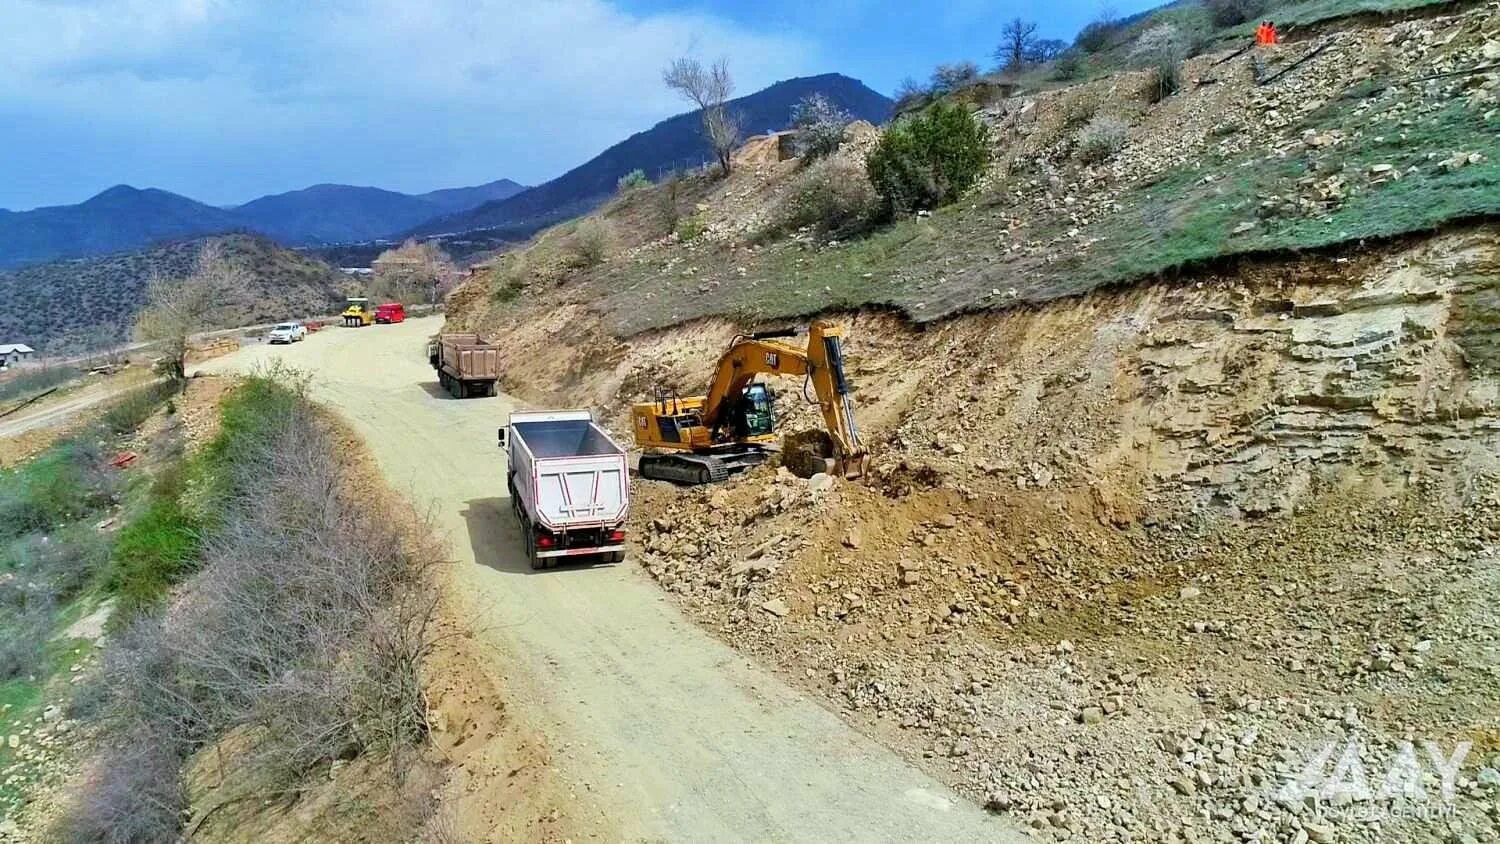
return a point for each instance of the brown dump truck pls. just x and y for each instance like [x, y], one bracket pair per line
[466, 365]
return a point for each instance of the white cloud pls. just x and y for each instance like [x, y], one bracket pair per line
[534, 87]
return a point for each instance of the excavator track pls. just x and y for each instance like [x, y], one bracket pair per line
[697, 469]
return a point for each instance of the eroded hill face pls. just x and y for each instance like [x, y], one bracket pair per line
[1248, 390]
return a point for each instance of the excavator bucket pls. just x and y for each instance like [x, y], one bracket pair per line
[807, 453]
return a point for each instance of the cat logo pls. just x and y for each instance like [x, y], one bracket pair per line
[773, 359]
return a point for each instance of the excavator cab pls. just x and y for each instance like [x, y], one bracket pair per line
[754, 415]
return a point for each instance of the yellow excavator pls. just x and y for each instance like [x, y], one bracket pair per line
[704, 439]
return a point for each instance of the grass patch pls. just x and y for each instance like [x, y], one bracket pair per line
[151, 554]
[31, 382]
[159, 547]
[987, 252]
[135, 407]
[68, 482]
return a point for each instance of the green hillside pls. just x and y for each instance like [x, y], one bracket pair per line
[69, 306]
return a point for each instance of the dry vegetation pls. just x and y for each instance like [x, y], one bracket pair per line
[297, 640]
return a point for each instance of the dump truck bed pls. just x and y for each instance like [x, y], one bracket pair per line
[567, 472]
[467, 357]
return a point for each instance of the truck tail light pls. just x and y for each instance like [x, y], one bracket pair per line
[544, 541]
[617, 536]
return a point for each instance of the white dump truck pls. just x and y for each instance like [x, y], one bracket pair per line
[569, 484]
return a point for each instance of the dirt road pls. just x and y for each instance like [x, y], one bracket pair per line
[49, 412]
[674, 735]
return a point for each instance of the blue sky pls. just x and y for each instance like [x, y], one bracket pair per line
[226, 100]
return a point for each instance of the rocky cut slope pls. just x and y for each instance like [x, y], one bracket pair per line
[1125, 563]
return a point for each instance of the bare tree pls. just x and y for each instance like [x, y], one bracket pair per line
[909, 94]
[413, 273]
[709, 88]
[951, 77]
[176, 309]
[1017, 42]
[1045, 50]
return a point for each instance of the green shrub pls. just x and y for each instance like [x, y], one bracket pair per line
[151, 553]
[633, 180]
[929, 159]
[691, 228]
[1068, 66]
[1103, 137]
[833, 195]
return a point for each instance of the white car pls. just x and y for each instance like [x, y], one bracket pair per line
[287, 332]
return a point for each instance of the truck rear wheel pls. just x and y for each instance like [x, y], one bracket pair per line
[529, 535]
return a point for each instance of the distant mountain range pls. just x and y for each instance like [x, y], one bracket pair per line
[675, 143]
[345, 214]
[124, 218]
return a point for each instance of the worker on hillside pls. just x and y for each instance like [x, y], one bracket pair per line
[1265, 34]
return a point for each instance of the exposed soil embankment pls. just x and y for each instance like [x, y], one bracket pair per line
[1244, 387]
[1127, 561]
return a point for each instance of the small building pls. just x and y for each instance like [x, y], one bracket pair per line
[14, 353]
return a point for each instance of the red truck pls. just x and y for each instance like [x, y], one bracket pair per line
[390, 312]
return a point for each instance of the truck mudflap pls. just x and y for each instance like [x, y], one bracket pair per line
[581, 552]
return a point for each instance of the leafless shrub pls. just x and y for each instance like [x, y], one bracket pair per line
[833, 195]
[1101, 138]
[1098, 33]
[26, 617]
[1161, 48]
[668, 200]
[1233, 12]
[708, 87]
[592, 241]
[951, 77]
[910, 94]
[131, 792]
[305, 630]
